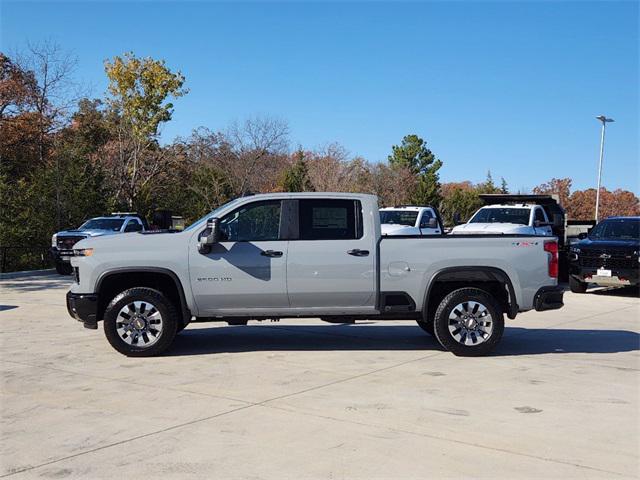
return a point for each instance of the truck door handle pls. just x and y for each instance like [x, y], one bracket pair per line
[271, 253]
[356, 252]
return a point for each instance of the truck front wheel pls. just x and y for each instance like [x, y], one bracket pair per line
[469, 322]
[140, 322]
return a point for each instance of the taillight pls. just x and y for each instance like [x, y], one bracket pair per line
[551, 247]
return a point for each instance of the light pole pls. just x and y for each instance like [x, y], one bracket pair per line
[604, 121]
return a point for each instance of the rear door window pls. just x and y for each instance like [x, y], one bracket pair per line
[330, 219]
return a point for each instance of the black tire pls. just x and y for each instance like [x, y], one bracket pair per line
[488, 305]
[64, 268]
[577, 286]
[427, 326]
[168, 314]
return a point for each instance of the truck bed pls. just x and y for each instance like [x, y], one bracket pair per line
[408, 264]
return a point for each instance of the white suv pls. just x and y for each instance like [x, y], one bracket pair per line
[409, 220]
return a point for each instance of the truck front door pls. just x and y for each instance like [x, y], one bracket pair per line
[246, 270]
[331, 265]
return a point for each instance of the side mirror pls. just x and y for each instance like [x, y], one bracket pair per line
[582, 235]
[456, 218]
[209, 236]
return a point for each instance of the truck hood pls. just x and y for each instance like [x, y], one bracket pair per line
[396, 229]
[134, 241]
[608, 244]
[492, 228]
[85, 233]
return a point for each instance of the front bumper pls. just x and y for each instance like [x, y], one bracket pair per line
[549, 298]
[83, 307]
[619, 276]
[60, 255]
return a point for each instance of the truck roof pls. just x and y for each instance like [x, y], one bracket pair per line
[510, 205]
[270, 196]
[411, 208]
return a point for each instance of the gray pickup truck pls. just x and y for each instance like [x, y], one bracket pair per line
[308, 255]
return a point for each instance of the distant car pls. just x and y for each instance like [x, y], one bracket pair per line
[410, 220]
[62, 242]
[607, 255]
[522, 219]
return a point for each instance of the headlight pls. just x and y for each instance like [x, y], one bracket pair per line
[54, 240]
[83, 252]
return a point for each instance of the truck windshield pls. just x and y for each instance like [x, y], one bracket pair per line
[622, 229]
[113, 224]
[213, 213]
[398, 217]
[518, 216]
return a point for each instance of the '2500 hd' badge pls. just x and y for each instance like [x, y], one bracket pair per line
[214, 279]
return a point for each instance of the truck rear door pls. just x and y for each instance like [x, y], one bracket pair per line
[331, 263]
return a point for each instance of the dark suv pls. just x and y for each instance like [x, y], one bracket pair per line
[607, 255]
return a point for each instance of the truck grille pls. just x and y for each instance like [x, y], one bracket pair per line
[67, 243]
[609, 259]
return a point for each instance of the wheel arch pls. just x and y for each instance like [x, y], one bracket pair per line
[119, 279]
[448, 279]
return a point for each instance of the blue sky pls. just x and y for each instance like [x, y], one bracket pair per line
[508, 86]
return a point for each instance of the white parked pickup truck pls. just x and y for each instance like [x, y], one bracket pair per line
[410, 220]
[522, 219]
[308, 255]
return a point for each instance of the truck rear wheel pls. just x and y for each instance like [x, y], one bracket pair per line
[140, 322]
[576, 285]
[469, 322]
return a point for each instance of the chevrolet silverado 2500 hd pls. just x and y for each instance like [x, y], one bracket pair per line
[308, 255]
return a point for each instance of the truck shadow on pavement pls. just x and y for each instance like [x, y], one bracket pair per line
[35, 283]
[516, 341]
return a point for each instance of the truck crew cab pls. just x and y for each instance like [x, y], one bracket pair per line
[62, 242]
[308, 255]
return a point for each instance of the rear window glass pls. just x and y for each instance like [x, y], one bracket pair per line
[398, 217]
[330, 219]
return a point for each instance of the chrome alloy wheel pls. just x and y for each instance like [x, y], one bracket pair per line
[139, 323]
[470, 323]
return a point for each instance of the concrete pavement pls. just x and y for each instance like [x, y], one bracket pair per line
[305, 399]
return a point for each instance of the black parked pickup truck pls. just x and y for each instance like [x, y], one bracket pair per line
[607, 255]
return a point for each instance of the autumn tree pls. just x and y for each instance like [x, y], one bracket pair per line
[393, 184]
[256, 151]
[140, 91]
[332, 170]
[556, 186]
[414, 155]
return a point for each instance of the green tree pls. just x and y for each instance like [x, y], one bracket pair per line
[504, 188]
[140, 91]
[414, 155]
[296, 177]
